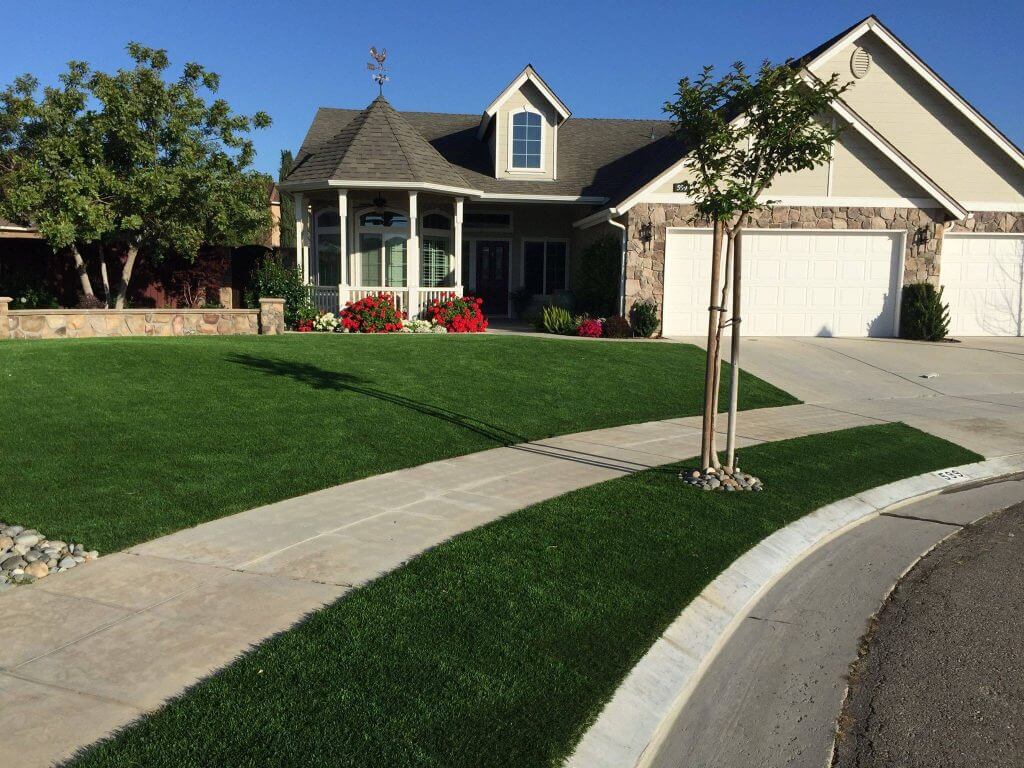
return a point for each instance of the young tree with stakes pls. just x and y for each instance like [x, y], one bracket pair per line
[743, 132]
[141, 164]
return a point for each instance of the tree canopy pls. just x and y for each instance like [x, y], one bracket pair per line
[131, 160]
[743, 131]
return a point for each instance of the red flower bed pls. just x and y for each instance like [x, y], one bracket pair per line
[304, 326]
[459, 315]
[591, 328]
[373, 314]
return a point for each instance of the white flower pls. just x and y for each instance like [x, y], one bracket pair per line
[325, 322]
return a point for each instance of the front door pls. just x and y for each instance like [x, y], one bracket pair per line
[492, 276]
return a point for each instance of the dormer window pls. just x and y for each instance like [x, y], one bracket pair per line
[526, 141]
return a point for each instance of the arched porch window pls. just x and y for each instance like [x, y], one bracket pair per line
[381, 239]
[328, 247]
[436, 250]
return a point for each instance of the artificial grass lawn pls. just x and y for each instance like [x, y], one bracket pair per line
[115, 441]
[499, 647]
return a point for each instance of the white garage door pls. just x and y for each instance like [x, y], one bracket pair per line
[795, 282]
[982, 277]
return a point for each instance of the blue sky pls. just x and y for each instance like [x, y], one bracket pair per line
[605, 59]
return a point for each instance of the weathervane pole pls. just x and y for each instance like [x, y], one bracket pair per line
[380, 72]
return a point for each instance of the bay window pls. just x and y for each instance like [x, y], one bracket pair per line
[436, 251]
[382, 249]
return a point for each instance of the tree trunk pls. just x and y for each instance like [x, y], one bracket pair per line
[105, 277]
[734, 355]
[83, 273]
[718, 347]
[708, 423]
[126, 275]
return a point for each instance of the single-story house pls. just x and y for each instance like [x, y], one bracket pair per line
[920, 187]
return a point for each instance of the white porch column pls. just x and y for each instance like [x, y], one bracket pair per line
[412, 257]
[343, 278]
[300, 253]
[459, 201]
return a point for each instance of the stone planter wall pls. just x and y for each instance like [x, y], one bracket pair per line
[645, 257]
[85, 323]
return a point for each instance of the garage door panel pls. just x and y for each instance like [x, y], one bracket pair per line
[796, 283]
[982, 278]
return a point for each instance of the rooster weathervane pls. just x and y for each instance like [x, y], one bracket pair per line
[380, 72]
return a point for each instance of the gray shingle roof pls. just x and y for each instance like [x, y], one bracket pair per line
[377, 144]
[597, 157]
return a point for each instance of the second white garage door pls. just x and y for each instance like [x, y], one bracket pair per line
[982, 276]
[795, 282]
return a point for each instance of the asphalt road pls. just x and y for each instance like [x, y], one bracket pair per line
[771, 696]
[942, 679]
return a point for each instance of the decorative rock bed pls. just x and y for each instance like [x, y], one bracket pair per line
[723, 479]
[26, 555]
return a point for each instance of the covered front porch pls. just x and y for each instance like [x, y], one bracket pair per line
[353, 243]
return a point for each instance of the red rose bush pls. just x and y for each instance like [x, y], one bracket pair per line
[372, 314]
[458, 315]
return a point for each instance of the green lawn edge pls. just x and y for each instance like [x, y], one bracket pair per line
[111, 442]
[500, 646]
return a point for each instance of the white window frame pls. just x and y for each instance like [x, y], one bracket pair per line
[357, 253]
[449, 237]
[511, 124]
[319, 229]
[545, 241]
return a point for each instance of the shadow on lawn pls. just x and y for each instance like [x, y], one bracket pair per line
[339, 381]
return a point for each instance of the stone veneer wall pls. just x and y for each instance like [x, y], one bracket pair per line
[645, 258]
[991, 221]
[82, 323]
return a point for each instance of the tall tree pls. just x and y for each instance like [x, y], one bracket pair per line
[743, 132]
[181, 167]
[163, 167]
[287, 222]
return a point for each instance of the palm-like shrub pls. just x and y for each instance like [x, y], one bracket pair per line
[557, 320]
[923, 315]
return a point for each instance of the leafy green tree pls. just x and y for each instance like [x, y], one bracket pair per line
[163, 168]
[51, 166]
[743, 132]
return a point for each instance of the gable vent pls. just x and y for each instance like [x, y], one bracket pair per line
[860, 63]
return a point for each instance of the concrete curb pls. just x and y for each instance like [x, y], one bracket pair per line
[631, 727]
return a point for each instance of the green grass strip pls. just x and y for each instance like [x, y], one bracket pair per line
[499, 647]
[115, 441]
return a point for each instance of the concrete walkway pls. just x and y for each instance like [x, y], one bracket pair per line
[973, 394]
[773, 692]
[86, 651]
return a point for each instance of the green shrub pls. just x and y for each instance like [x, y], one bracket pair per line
[596, 282]
[274, 280]
[923, 316]
[617, 327]
[557, 320]
[645, 318]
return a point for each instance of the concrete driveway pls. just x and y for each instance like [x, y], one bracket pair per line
[971, 393]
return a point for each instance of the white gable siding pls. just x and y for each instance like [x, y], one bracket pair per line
[858, 170]
[530, 97]
[925, 127]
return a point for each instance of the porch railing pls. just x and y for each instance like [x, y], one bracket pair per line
[332, 298]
